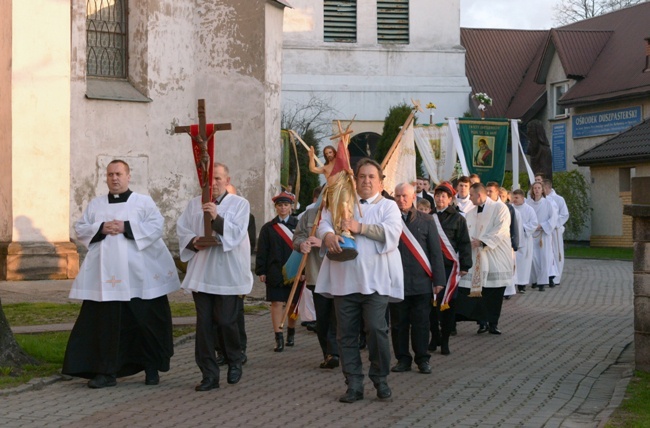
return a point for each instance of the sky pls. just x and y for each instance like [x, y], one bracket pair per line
[516, 14]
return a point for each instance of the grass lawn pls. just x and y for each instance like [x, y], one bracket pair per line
[49, 348]
[634, 411]
[582, 252]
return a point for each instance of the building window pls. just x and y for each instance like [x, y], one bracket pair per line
[557, 90]
[340, 21]
[106, 38]
[393, 21]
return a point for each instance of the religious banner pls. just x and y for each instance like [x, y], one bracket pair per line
[485, 146]
[400, 168]
[437, 150]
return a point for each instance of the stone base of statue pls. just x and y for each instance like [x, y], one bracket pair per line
[349, 252]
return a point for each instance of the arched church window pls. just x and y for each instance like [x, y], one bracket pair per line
[106, 38]
[363, 145]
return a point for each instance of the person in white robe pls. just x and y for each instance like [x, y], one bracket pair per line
[524, 254]
[491, 272]
[461, 200]
[123, 282]
[542, 237]
[362, 287]
[558, 233]
[217, 276]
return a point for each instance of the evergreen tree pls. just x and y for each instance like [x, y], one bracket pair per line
[396, 117]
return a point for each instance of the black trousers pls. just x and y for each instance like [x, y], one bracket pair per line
[325, 323]
[216, 312]
[492, 301]
[241, 326]
[350, 309]
[410, 317]
[442, 322]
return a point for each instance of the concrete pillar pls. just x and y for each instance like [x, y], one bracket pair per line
[640, 211]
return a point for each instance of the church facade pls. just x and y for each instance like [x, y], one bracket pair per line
[87, 81]
[362, 57]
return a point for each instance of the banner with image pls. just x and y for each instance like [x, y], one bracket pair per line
[485, 146]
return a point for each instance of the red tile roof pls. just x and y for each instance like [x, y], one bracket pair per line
[617, 71]
[497, 62]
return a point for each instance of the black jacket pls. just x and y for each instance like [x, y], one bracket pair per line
[455, 227]
[273, 252]
[416, 280]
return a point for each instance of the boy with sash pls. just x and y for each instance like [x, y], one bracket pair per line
[274, 247]
[424, 274]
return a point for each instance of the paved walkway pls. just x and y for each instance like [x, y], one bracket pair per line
[564, 360]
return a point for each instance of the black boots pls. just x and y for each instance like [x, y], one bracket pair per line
[444, 344]
[291, 334]
[279, 342]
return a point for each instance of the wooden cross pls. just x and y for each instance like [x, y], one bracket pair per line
[207, 240]
[114, 281]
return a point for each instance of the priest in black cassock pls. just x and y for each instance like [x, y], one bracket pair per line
[125, 325]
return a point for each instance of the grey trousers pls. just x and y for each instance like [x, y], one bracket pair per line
[350, 310]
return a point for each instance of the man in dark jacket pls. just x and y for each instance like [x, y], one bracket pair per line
[423, 273]
[455, 228]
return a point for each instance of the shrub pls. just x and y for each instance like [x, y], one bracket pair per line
[394, 120]
[572, 186]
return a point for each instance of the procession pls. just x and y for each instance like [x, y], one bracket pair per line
[382, 269]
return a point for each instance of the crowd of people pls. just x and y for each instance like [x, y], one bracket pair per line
[421, 263]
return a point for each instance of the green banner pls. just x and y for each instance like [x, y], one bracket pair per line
[485, 143]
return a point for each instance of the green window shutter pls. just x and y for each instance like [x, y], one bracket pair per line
[393, 21]
[340, 21]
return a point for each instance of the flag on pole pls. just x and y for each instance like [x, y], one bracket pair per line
[437, 150]
[400, 168]
[485, 146]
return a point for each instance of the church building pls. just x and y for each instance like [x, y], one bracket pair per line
[83, 82]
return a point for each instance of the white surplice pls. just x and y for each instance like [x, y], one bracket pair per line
[378, 267]
[525, 252]
[543, 265]
[491, 227]
[120, 269]
[223, 269]
[465, 205]
[512, 289]
[558, 234]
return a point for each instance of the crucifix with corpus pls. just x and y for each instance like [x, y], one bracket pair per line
[203, 147]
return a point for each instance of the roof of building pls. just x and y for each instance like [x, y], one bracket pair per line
[497, 63]
[606, 55]
[632, 145]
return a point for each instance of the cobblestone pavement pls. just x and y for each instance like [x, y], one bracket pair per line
[564, 360]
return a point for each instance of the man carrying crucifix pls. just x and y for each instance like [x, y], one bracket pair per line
[217, 275]
[125, 323]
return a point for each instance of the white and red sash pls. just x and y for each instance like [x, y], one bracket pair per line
[450, 254]
[416, 250]
[285, 233]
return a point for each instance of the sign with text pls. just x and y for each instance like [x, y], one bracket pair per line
[605, 122]
[559, 147]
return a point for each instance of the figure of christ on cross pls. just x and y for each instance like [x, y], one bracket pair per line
[204, 162]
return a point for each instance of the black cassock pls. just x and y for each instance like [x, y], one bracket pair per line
[120, 338]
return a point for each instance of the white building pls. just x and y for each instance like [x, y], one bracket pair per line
[365, 56]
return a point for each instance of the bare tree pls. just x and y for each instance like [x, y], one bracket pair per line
[569, 11]
[316, 115]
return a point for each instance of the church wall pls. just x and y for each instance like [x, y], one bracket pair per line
[186, 50]
[6, 217]
[366, 78]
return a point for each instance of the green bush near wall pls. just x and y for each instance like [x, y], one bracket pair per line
[573, 187]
